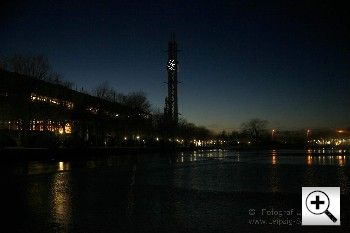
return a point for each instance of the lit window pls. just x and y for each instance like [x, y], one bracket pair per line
[60, 130]
[68, 128]
[46, 99]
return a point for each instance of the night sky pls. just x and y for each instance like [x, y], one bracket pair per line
[285, 62]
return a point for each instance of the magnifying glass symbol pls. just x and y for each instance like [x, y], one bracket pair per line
[317, 202]
[331, 216]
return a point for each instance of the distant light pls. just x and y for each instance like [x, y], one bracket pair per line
[157, 139]
[340, 131]
[137, 137]
[60, 130]
[60, 166]
[274, 160]
[125, 138]
[68, 128]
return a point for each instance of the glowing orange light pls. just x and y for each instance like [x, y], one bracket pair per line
[309, 160]
[60, 130]
[68, 128]
[274, 160]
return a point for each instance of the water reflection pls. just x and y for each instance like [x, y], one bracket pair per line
[274, 157]
[60, 190]
[37, 168]
[274, 180]
[339, 160]
[247, 170]
[201, 155]
[309, 160]
[60, 199]
[131, 195]
[343, 180]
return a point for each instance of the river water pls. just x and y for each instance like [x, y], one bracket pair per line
[200, 191]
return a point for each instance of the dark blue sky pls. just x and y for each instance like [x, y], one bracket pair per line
[286, 62]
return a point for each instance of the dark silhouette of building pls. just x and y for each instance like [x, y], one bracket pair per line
[171, 106]
[32, 108]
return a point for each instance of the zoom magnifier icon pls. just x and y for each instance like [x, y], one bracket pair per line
[317, 202]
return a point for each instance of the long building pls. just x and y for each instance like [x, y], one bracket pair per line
[31, 109]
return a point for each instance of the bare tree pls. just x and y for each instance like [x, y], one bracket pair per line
[34, 66]
[56, 78]
[102, 90]
[255, 129]
[105, 91]
[138, 101]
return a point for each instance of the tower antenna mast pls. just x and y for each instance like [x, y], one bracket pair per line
[171, 111]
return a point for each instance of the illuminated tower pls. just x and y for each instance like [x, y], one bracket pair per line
[171, 108]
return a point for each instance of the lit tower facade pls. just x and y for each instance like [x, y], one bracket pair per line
[171, 107]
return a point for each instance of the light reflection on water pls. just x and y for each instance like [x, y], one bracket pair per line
[51, 197]
[337, 160]
[62, 193]
[271, 171]
[274, 157]
[217, 170]
[61, 199]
